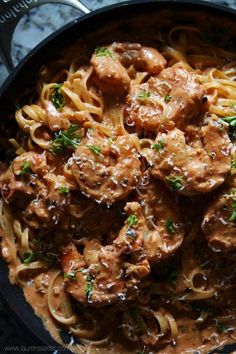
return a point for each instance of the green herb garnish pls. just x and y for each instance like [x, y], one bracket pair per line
[220, 326]
[175, 182]
[57, 98]
[231, 121]
[36, 241]
[64, 190]
[170, 226]
[233, 164]
[143, 95]
[233, 215]
[158, 146]
[95, 149]
[232, 196]
[70, 275]
[29, 257]
[132, 220]
[167, 98]
[65, 139]
[89, 288]
[103, 52]
[26, 168]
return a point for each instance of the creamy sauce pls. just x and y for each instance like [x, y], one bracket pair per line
[118, 217]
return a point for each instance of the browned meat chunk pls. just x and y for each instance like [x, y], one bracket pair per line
[164, 102]
[162, 224]
[193, 162]
[142, 58]
[219, 222]
[105, 274]
[107, 171]
[111, 74]
[30, 189]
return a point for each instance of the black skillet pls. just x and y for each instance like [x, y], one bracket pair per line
[26, 73]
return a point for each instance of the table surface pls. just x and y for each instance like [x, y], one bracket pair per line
[35, 26]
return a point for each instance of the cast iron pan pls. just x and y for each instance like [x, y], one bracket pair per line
[26, 73]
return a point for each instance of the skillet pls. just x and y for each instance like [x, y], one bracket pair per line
[26, 73]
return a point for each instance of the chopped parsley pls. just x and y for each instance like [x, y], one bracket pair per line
[103, 52]
[70, 275]
[89, 288]
[95, 149]
[132, 220]
[231, 121]
[170, 226]
[25, 168]
[111, 139]
[144, 95]
[36, 241]
[233, 164]
[64, 190]
[233, 215]
[158, 146]
[167, 98]
[57, 98]
[220, 326]
[64, 139]
[175, 182]
[29, 257]
[232, 196]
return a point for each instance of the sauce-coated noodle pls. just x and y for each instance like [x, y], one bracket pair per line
[118, 210]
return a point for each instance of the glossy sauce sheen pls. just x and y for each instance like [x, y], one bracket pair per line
[119, 210]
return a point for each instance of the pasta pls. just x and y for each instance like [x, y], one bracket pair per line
[118, 210]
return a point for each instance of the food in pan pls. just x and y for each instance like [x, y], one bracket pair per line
[118, 208]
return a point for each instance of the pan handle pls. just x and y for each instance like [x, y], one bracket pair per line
[10, 13]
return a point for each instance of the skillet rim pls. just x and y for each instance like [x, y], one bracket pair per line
[30, 56]
[9, 292]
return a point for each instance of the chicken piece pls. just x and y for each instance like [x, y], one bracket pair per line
[56, 119]
[25, 166]
[112, 77]
[219, 222]
[107, 171]
[162, 224]
[164, 102]
[111, 273]
[142, 58]
[73, 265]
[27, 187]
[197, 162]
